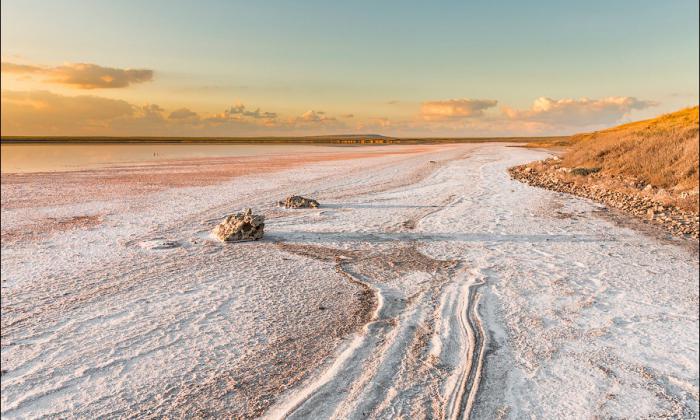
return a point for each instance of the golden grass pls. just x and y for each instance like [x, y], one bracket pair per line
[662, 151]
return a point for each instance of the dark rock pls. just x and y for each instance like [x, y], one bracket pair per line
[585, 171]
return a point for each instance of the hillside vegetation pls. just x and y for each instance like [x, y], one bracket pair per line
[662, 151]
[648, 169]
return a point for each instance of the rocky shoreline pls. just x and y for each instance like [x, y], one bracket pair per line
[645, 202]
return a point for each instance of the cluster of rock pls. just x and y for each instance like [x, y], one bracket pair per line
[642, 201]
[298, 202]
[244, 226]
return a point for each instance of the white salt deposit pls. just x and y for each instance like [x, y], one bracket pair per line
[419, 290]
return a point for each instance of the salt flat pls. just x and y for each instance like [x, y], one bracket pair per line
[428, 285]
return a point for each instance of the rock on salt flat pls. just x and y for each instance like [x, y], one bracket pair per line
[244, 226]
[298, 202]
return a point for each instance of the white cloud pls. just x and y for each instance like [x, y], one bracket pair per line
[578, 112]
[455, 108]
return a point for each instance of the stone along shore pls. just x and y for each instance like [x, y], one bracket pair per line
[641, 201]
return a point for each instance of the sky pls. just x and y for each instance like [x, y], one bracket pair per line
[397, 68]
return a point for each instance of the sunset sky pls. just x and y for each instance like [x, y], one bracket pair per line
[453, 68]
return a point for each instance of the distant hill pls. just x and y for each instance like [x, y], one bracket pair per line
[325, 139]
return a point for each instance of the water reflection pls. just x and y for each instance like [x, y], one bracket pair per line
[70, 157]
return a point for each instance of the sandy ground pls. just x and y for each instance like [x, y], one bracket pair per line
[428, 285]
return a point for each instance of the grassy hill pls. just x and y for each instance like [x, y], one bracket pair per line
[648, 169]
[662, 151]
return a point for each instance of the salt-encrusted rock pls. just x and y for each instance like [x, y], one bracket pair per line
[297, 202]
[241, 227]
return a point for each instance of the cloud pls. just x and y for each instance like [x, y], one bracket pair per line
[455, 108]
[239, 113]
[150, 111]
[47, 113]
[314, 116]
[19, 68]
[312, 122]
[240, 110]
[38, 112]
[381, 125]
[578, 112]
[183, 114]
[82, 75]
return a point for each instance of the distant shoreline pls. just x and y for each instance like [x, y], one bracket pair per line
[350, 139]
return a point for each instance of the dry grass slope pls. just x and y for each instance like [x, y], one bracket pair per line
[662, 151]
[648, 169]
